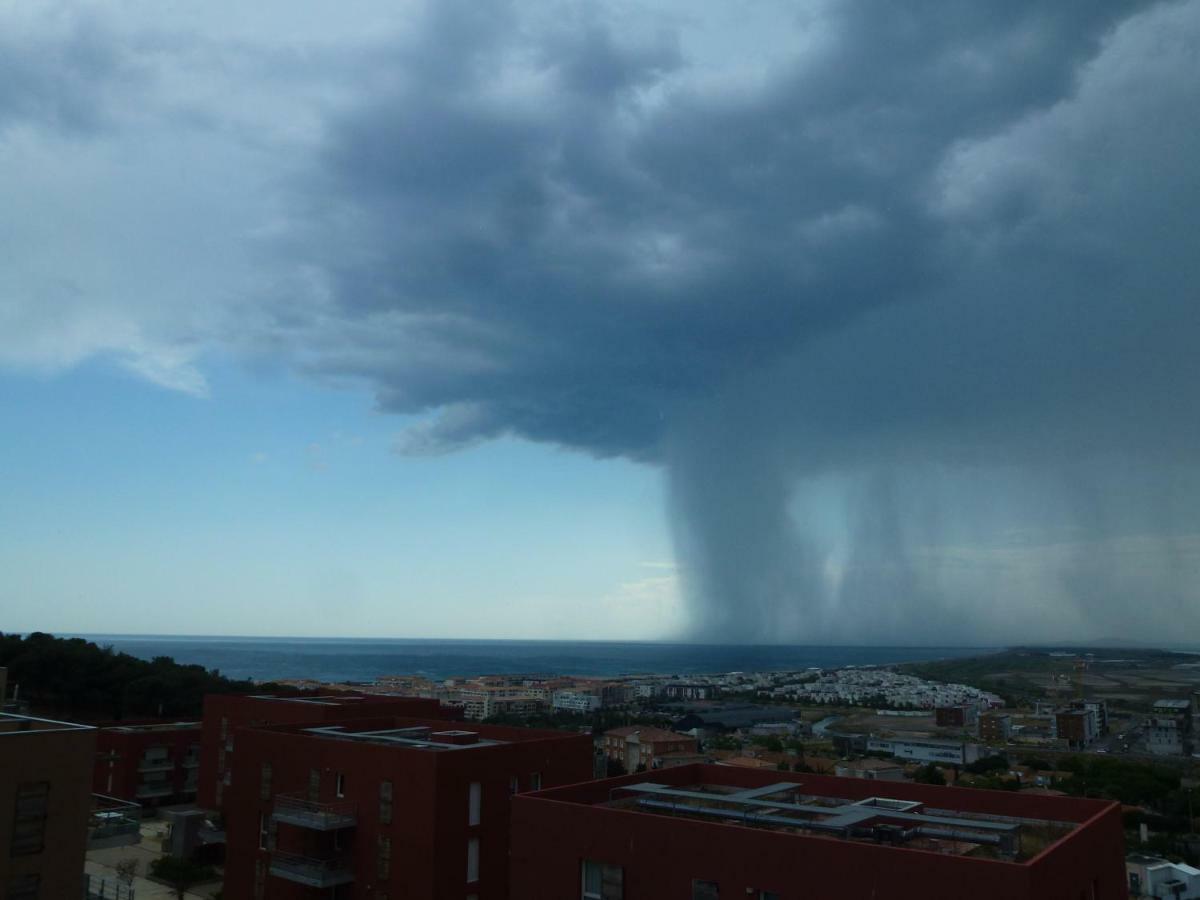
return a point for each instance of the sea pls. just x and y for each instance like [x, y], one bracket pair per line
[365, 659]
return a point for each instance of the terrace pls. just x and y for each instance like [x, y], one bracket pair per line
[418, 737]
[790, 807]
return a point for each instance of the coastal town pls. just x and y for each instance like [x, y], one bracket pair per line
[296, 783]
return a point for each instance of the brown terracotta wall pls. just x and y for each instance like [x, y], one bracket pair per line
[64, 759]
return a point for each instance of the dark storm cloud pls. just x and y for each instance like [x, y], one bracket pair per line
[63, 76]
[933, 240]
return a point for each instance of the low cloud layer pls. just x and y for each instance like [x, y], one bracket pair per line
[903, 299]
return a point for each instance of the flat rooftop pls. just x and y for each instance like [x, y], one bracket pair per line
[416, 737]
[15, 725]
[992, 825]
[154, 726]
[325, 700]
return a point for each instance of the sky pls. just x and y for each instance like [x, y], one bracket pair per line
[830, 321]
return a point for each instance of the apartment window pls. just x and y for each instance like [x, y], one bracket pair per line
[767, 895]
[602, 881]
[514, 785]
[264, 783]
[221, 759]
[314, 785]
[473, 801]
[262, 831]
[224, 727]
[385, 803]
[24, 887]
[705, 890]
[472, 860]
[339, 785]
[29, 818]
[535, 781]
[383, 867]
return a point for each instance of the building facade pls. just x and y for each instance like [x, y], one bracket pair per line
[723, 833]
[148, 764]
[384, 808]
[961, 715]
[224, 714]
[45, 805]
[995, 727]
[639, 745]
[955, 753]
[576, 701]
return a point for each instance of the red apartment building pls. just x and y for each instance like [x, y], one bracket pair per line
[224, 714]
[721, 833]
[149, 764]
[383, 809]
[45, 805]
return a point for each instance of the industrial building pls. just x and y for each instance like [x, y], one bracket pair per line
[703, 832]
[385, 807]
[224, 714]
[954, 753]
[148, 764]
[45, 805]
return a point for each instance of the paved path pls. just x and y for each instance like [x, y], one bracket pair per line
[103, 863]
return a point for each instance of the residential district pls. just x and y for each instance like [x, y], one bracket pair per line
[854, 783]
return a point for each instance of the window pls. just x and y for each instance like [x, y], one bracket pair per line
[383, 868]
[24, 887]
[224, 727]
[767, 895]
[472, 860]
[385, 803]
[473, 801]
[535, 781]
[339, 785]
[602, 881]
[264, 784]
[514, 785]
[705, 890]
[262, 831]
[29, 818]
[314, 785]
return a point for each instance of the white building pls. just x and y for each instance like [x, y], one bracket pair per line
[954, 753]
[575, 702]
[1150, 876]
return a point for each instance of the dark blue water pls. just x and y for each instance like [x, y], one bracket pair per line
[344, 659]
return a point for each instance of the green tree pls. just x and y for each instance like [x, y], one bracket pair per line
[929, 774]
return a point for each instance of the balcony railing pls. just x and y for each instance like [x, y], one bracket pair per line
[318, 873]
[294, 809]
[98, 888]
[113, 823]
[155, 789]
[157, 764]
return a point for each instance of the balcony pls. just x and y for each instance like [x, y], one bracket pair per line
[295, 810]
[157, 764]
[152, 789]
[318, 873]
[113, 823]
